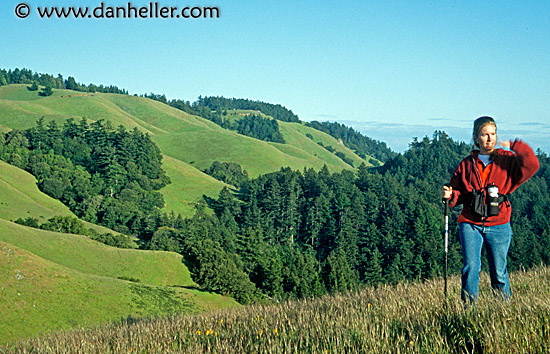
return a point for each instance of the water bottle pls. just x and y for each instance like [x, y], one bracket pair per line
[492, 200]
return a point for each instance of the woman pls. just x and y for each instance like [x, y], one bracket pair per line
[480, 222]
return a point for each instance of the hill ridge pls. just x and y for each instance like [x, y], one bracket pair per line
[184, 137]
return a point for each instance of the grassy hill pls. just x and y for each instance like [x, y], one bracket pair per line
[191, 142]
[406, 318]
[188, 186]
[51, 281]
[39, 296]
[91, 257]
[21, 198]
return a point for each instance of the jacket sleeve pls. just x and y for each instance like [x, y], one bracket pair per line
[457, 183]
[524, 165]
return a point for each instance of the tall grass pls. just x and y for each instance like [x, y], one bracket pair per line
[407, 318]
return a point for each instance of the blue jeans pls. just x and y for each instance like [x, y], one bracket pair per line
[497, 242]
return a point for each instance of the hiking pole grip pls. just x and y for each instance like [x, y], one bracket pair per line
[446, 201]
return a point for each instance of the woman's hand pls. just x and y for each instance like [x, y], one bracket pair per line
[505, 144]
[447, 192]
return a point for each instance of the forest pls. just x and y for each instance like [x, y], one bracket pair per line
[220, 104]
[104, 175]
[26, 76]
[287, 234]
[216, 109]
[212, 107]
[356, 141]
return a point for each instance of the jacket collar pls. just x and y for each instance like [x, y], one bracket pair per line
[475, 153]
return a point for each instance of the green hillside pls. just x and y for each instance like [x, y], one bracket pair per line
[88, 256]
[298, 134]
[188, 186]
[40, 296]
[52, 281]
[21, 198]
[187, 139]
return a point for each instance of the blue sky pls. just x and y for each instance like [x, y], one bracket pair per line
[391, 69]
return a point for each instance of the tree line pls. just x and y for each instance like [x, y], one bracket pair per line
[306, 233]
[287, 234]
[104, 175]
[72, 225]
[26, 76]
[228, 172]
[257, 127]
[214, 109]
[354, 140]
[253, 125]
[220, 104]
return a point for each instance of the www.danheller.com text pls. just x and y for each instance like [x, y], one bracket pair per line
[152, 10]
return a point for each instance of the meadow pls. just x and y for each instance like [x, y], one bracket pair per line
[405, 318]
[51, 281]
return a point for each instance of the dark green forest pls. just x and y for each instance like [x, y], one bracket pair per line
[228, 172]
[26, 76]
[104, 175]
[220, 104]
[258, 127]
[287, 234]
[361, 144]
[213, 108]
[216, 109]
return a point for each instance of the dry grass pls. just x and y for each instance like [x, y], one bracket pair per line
[407, 318]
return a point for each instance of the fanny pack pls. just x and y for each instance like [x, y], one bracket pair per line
[483, 205]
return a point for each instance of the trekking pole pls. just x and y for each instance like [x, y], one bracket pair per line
[446, 201]
[446, 240]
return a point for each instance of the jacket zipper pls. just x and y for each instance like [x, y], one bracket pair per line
[478, 175]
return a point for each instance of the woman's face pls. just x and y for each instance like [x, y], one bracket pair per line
[487, 139]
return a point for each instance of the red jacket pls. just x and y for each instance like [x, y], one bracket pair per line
[509, 171]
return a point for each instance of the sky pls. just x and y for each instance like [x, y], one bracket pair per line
[392, 70]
